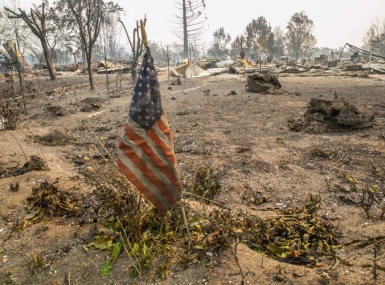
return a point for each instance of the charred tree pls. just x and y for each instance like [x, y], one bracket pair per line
[375, 37]
[136, 46]
[87, 17]
[38, 20]
[190, 22]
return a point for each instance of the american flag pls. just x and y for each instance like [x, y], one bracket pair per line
[146, 150]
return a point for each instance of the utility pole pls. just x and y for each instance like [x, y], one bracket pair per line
[185, 39]
[168, 65]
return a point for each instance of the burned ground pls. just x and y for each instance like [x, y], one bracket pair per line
[264, 168]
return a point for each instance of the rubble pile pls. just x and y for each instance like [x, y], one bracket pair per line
[339, 113]
[323, 114]
[262, 83]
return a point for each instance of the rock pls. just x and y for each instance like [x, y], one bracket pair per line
[86, 159]
[89, 169]
[232, 92]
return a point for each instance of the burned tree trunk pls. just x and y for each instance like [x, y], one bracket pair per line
[89, 68]
[86, 18]
[48, 60]
[133, 70]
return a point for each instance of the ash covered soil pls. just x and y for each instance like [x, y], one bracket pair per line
[44, 83]
[243, 137]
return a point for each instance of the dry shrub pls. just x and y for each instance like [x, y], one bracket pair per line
[148, 235]
[370, 197]
[206, 184]
[9, 114]
[9, 109]
[46, 201]
[53, 138]
[14, 187]
[138, 227]
[56, 111]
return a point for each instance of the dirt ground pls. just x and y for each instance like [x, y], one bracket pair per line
[243, 136]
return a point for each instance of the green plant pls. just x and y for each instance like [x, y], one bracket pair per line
[106, 269]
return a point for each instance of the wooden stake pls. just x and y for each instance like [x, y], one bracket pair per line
[144, 34]
[185, 223]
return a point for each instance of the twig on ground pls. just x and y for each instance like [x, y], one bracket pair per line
[235, 254]
[26, 159]
[128, 254]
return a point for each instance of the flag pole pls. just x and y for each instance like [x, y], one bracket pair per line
[183, 211]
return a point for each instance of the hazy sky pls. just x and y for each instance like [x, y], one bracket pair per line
[336, 21]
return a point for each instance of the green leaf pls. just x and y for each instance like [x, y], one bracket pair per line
[117, 247]
[275, 249]
[101, 242]
[134, 249]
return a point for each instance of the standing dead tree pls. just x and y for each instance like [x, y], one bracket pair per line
[13, 29]
[136, 46]
[190, 22]
[375, 36]
[18, 63]
[166, 53]
[38, 20]
[87, 17]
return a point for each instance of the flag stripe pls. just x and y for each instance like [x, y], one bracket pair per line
[162, 134]
[134, 142]
[153, 153]
[147, 173]
[141, 185]
[152, 134]
[165, 128]
[141, 182]
[167, 156]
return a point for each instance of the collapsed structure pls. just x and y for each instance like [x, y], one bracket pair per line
[12, 56]
[356, 54]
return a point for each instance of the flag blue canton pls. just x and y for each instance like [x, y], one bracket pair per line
[146, 105]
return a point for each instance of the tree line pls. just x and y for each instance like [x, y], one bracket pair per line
[260, 39]
[297, 41]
